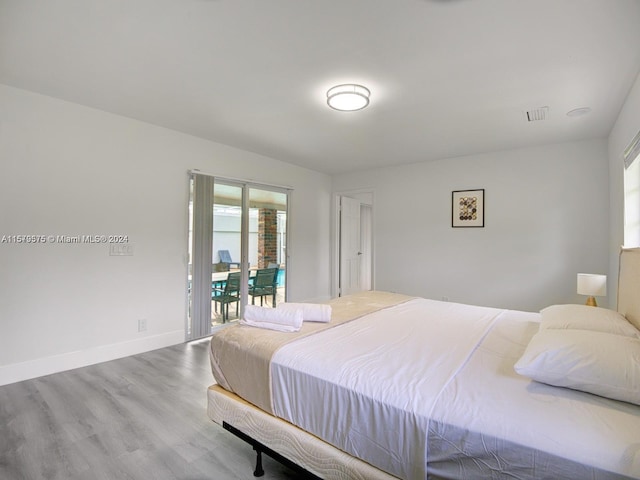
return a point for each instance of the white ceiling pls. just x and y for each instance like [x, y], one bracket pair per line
[448, 77]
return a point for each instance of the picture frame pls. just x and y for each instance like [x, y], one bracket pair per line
[467, 208]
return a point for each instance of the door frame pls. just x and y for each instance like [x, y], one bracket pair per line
[366, 197]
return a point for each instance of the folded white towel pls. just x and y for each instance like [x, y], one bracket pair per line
[273, 319]
[311, 312]
[270, 326]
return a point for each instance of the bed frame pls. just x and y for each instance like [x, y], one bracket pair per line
[305, 453]
[313, 458]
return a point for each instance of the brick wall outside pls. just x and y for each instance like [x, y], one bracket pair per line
[267, 237]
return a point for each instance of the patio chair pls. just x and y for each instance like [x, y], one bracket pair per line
[230, 293]
[264, 285]
[225, 257]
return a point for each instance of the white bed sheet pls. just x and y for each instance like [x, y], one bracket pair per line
[505, 417]
[377, 379]
[407, 387]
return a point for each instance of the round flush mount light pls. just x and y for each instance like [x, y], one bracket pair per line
[578, 112]
[348, 97]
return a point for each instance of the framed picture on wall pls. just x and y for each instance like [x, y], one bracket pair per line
[467, 208]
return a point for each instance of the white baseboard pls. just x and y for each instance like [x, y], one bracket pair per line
[39, 367]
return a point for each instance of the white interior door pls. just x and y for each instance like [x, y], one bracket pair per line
[350, 254]
[366, 247]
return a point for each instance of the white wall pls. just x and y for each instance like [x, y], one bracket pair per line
[546, 219]
[70, 170]
[625, 128]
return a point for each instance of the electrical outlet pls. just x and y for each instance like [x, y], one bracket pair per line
[445, 299]
[142, 325]
[121, 249]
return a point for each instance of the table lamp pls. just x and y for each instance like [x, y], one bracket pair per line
[592, 285]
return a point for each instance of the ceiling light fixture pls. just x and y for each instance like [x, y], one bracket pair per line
[578, 112]
[348, 97]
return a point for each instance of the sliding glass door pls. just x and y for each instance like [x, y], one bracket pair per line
[237, 251]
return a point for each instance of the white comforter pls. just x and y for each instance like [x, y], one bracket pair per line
[429, 387]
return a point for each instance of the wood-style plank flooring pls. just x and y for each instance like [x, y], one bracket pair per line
[142, 417]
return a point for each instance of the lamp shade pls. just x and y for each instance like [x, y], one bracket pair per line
[592, 284]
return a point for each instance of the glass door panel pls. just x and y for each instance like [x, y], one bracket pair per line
[267, 246]
[226, 253]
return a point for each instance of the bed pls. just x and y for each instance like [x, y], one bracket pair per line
[402, 387]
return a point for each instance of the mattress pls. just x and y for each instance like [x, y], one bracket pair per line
[428, 388]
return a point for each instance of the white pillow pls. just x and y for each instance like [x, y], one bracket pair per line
[584, 317]
[601, 363]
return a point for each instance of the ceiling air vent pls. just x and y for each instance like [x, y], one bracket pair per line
[536, 114]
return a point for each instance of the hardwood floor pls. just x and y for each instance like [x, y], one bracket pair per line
[140, 417]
